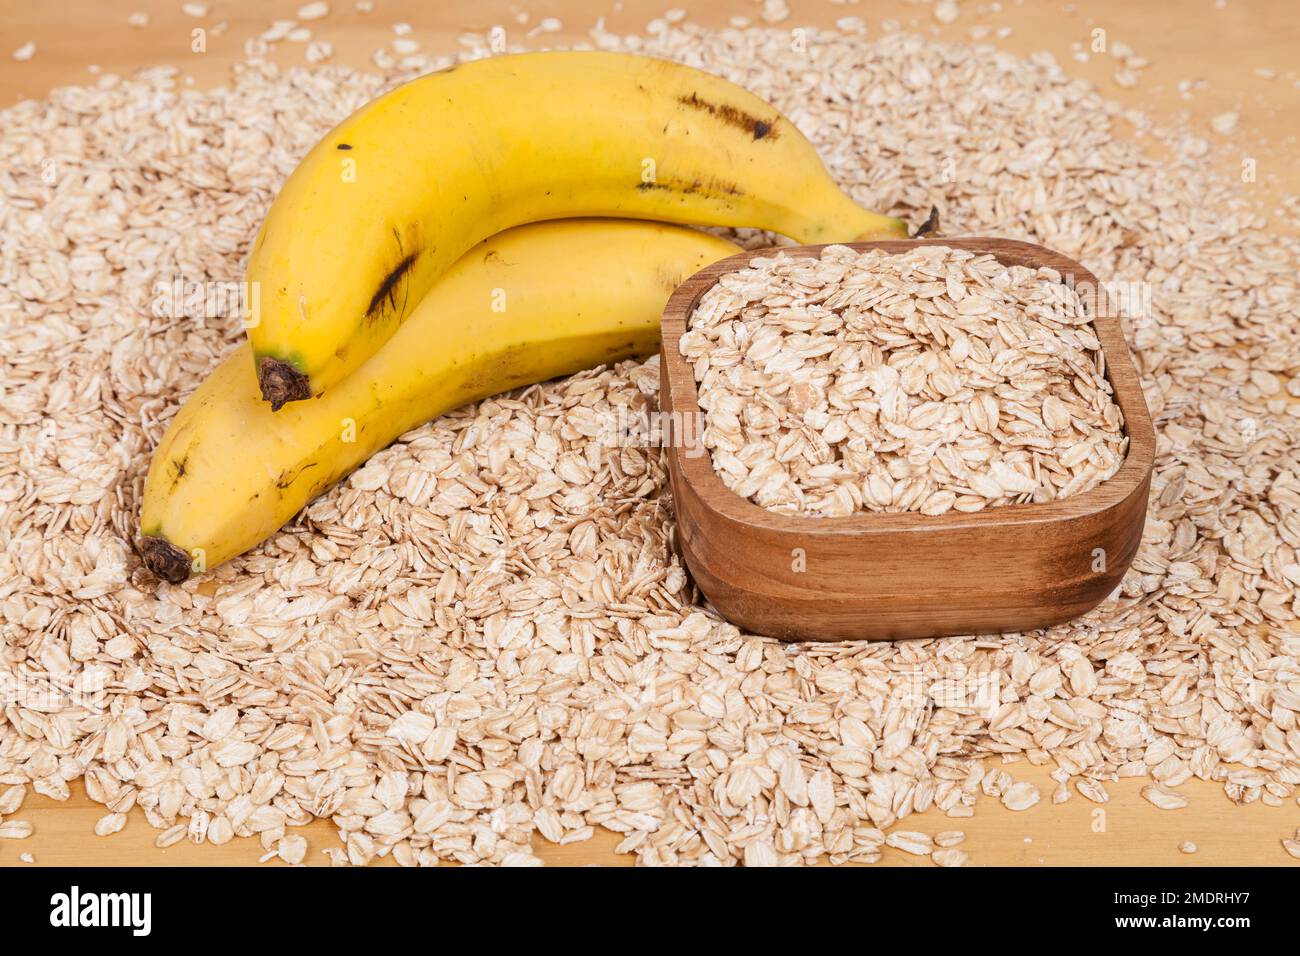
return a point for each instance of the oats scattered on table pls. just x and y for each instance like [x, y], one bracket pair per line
[1020, 796]
[910, 841]
[505, 577]
[292, 849]
[950, 856]
[1224, 123]
[1092, 789]
[171, 836]
[11, 799]
[15, 830]
[109, 824]
[1163, 797]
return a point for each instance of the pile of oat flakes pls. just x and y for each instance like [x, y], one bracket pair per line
[931, 381]
[481, 636]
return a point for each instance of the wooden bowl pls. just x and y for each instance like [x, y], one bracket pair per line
[882, 576]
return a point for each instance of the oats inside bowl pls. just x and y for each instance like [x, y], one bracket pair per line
[929, 381]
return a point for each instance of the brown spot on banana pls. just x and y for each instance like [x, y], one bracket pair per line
[387, 291]
[733, 116]
[286, 479]
[710, 187]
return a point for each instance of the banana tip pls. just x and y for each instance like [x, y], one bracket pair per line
[930, 226]
[165, 559]
[281, 382]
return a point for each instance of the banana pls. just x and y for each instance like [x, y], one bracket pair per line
[398, 191]
[525, 305]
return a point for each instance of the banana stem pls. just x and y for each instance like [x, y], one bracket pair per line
[930, 225]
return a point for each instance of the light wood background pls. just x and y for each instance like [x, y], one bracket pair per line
[1190, 40]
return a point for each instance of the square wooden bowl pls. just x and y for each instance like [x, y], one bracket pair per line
[883, 576]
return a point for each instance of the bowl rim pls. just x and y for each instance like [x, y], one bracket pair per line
[682, 397]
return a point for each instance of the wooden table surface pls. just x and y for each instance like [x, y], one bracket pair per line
[1221, 43]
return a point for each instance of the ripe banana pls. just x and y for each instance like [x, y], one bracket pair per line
[391, 197]
[524, 306]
